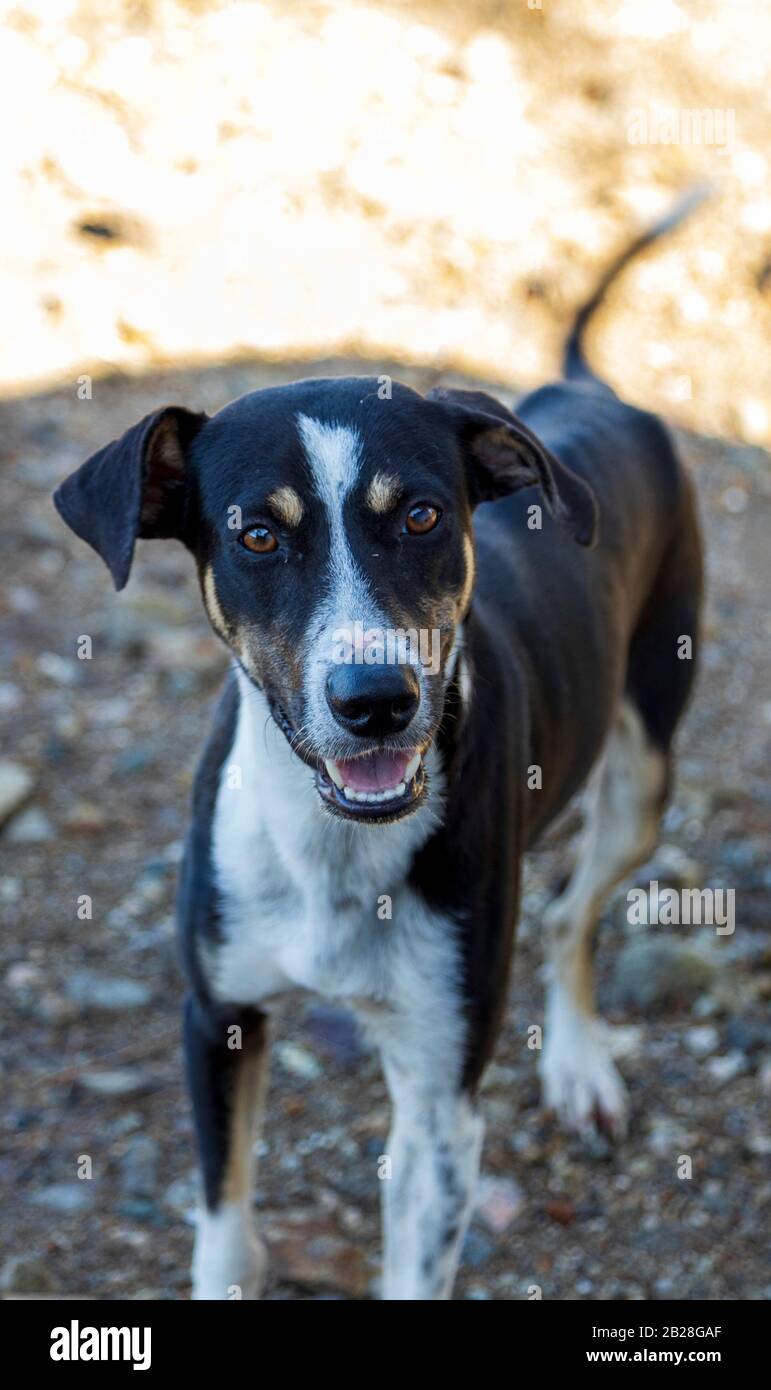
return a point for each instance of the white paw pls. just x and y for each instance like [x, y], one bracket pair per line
[227, 1269]
[579, 1079]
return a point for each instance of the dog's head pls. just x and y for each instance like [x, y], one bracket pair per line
[331, 525]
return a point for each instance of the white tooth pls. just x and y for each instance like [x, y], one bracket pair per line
[400, 790]
[350, 793]
[411, 768]
[333, 772]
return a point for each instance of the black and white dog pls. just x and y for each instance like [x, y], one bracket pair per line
[331, 521]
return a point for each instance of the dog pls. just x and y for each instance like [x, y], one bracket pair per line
[360, 814]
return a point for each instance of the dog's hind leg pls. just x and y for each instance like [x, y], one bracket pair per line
[626, 798]
[227, 1066]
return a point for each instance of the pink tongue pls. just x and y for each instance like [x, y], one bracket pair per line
[378, 772]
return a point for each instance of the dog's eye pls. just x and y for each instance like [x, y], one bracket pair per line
[259, 539]
[421, 519]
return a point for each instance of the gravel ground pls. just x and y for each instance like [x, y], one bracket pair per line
[90, 1050]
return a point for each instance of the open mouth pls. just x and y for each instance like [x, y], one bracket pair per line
[380, 785]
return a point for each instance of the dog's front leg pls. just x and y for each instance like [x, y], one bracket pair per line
[428, 1188]
[227, 1065]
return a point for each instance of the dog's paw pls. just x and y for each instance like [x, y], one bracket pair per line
[230, 1274]
[580, 1082]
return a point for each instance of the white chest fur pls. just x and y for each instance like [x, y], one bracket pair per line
[317, 903]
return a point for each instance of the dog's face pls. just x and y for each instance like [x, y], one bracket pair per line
[331, 522]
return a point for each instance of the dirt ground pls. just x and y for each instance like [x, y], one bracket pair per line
[172, 230]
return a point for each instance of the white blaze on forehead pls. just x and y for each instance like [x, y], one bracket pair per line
[334, 455]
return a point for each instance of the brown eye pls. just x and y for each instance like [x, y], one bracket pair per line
[259, 539]
[422, 519]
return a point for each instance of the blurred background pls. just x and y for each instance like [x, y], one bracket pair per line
[203, 198]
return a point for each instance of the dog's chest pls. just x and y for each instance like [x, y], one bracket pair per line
[314, 903]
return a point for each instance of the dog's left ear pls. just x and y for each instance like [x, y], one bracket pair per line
[505, 455]
[133, 487]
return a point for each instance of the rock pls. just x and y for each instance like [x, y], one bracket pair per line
[138, 1167]
[31, 827]
[64, 1197]
[563, 1212]
[106, 993]
[51, 1008]
[759, 1145]
[672, 868]
[181, 1197]
[312, 1253]
[84, 817]
[122, 1081]
[59, 669]
[747, 1035]
[297, 1060]
[16, 786]
[478, 1249]
[658, 972]
[727, 1066]
[10, 697]
[139, 758]
[25, 1273]
[23, 975]
[499, 1202]
[703, 1040]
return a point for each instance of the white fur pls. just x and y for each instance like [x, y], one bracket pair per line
[334, 454]
[579, 1078]
[434, 1147]
[300, 893]
[228, 1260]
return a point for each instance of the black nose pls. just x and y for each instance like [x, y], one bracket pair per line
[373, 700]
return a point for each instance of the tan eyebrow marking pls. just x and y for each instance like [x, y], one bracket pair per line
[383, 492]
[287, 505]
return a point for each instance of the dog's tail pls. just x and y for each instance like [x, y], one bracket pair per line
[574, 363]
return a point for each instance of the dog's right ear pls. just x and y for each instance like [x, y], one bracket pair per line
[133, 487]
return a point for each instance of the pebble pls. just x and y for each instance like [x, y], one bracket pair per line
[23, 975]
[122, 1081]
[703, 1040]
[138, 1167]
[649, 973]
[674, 868]
[84, 817]
[478, 1249]
[16, 785]
[64, 1197]
[10, 697]
[25, 1273]
[499, 1202]
[313, 1254]
[30, 827]
[727, 1066]
[297, 1060]
[106, 993]
[59, 669]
